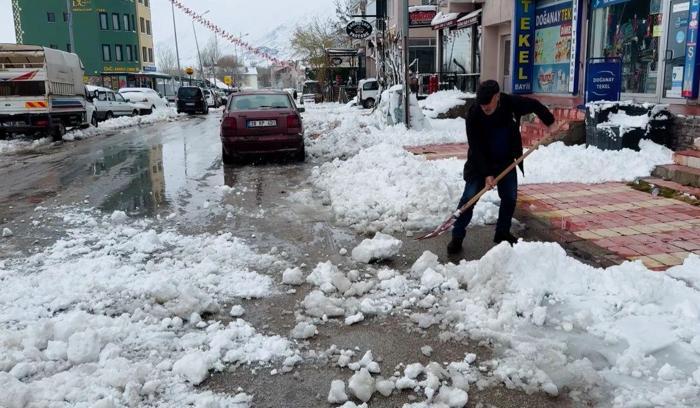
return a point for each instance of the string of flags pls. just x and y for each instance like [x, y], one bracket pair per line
[226, 35]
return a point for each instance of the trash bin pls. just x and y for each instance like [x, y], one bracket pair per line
[620, 125]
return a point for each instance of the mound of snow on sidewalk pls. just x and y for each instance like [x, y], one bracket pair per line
[158, 115]
[335, 131]
[385, 188]
[442, 101]
[112, 312]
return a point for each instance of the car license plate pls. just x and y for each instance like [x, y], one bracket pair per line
[190, 103]
[262, 123]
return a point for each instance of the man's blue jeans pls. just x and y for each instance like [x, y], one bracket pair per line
[507, 191]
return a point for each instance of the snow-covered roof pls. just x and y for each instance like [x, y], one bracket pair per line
[443, 19]
[412, 9]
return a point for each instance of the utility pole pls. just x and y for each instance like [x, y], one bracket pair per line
[406, 56]
[199, 55]
[177, 48]
[71, 36]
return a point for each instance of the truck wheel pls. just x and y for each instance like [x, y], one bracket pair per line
[109, 115]
[93, 121]
[368, 103]
[58, 132]
[135, 113]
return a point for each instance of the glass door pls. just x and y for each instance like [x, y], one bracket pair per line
[674, 57]
[506, 63]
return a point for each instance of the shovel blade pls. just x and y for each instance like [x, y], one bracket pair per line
[439, 230]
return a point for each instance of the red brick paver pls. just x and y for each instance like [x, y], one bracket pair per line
[630, 224]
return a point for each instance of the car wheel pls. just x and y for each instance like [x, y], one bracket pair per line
[229, 158]
[93, 120]
[206, 110]
[58, 132]
[300, 155]
[135, 113]
[109, 115]
[368, 103]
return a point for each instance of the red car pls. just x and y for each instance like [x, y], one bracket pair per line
[261, 122]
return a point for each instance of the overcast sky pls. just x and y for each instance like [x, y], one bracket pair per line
[256, 17]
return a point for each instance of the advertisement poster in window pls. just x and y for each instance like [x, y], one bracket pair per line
[553, 42]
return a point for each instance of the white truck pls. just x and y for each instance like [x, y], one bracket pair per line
[41, 91]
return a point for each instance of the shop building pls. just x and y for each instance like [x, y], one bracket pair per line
[459, 32]
[145, 31]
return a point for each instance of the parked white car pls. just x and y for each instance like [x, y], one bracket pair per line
[140, 101]
[109, 104]
[154, 98]
[209, 96]
[367, 92]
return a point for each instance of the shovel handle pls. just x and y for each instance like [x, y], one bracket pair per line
[505, 172]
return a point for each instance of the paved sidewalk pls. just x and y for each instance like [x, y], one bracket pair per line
[627, 223]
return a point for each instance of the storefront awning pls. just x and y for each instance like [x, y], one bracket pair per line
[469, 20]
[445, 20]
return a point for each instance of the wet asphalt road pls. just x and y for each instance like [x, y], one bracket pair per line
[176, 168]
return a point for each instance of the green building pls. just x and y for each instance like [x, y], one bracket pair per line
[105, 31]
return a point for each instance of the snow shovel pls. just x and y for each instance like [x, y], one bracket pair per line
[445, 226]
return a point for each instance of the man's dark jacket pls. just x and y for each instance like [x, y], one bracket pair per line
[510, 109]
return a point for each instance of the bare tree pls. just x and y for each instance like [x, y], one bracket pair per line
[167, 62]
[229, 65]
[211, 54]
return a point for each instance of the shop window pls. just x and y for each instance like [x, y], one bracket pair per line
[631, 31]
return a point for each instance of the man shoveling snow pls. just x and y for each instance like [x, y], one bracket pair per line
[493, 131]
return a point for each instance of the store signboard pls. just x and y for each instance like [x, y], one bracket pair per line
[524, 33]
[691, 74]
[606, 3]
[554, 38]
[421, 17]
[603, 79]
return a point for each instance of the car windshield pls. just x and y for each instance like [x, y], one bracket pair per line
[249, 102]
[188, 92]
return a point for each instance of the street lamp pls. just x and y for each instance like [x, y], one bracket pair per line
[201, 67]
[177, 49]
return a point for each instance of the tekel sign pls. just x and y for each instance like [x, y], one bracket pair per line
[603, 79]
[524, 31]
[690, 76]
[421, 18]
[359, 30]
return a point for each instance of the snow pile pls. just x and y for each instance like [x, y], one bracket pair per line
[13, 146]
[76, 318]
[390, 110]
[380, 247]
[158, 115]
[334, 131]
[385, 188]
[625, 330]
[442, 101]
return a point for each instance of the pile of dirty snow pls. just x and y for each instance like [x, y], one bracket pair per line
[442, 101]
[12, 146]
[115, 313]
[385, 188]
[335, 131]
[158, 115]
